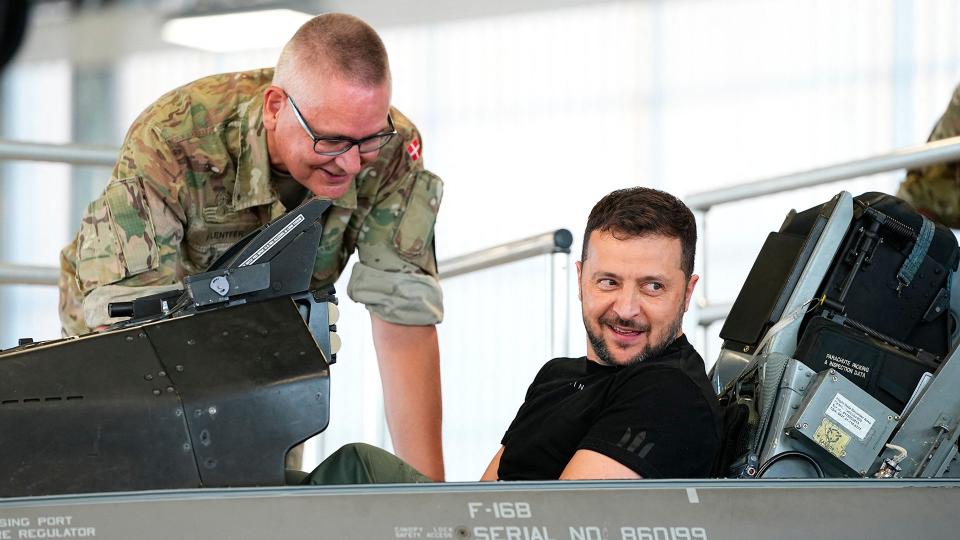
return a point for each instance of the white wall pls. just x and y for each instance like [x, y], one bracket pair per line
[530, 118]
[36, 106]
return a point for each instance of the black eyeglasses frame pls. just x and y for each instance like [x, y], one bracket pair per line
[384, 136]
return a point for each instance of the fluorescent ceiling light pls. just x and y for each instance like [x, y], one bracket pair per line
[240, 31]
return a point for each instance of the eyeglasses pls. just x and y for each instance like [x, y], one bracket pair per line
[334, 146]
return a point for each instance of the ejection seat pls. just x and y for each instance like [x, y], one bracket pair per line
[841, 333]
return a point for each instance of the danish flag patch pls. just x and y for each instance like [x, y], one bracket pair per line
[413, 149]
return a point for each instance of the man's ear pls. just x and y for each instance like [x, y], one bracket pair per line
[579, 283]
[688, 294]
[273, 98]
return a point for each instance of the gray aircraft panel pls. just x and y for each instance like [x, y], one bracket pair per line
[616, 510]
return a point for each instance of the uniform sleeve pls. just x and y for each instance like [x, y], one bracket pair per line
[396, 276]
[659, 425]
[129, 239]
[935, 190]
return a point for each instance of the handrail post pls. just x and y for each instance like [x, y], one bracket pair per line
[560, 304]
[700, 268]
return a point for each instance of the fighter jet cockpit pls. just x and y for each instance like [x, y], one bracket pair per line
[838, 364]
[200, 198]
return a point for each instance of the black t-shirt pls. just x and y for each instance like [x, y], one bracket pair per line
[658, 417]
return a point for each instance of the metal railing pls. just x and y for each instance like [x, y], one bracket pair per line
[15, 274]
[74, 154]
[554, 243]
[941, 151]
[558, 241]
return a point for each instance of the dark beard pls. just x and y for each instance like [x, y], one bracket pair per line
[650, 351]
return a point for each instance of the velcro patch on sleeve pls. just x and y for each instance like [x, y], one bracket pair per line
[415, 230]
[133, 225]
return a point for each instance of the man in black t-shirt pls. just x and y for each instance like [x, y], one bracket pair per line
[639, 404]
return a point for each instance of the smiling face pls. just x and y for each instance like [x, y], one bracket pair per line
[634, 294]
[333, 107]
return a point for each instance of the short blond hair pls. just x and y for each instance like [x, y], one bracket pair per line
[333, 41]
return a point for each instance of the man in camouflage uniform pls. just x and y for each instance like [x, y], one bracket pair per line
[935, 190]
[217, 158]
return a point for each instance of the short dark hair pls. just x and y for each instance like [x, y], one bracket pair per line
[344, 42]
[640, 211]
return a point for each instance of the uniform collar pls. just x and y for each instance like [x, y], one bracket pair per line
[252, 186]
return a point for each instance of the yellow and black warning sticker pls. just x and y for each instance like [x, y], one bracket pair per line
[832, 438]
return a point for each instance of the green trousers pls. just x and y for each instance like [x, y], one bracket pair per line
[360, 463]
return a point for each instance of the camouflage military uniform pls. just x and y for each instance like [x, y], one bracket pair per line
[193, 177]
[935, 190]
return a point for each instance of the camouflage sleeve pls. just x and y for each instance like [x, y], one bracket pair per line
[396, 276]
[129, 237]
[935, 190]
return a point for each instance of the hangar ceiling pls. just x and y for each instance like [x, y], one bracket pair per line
[97, 32]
